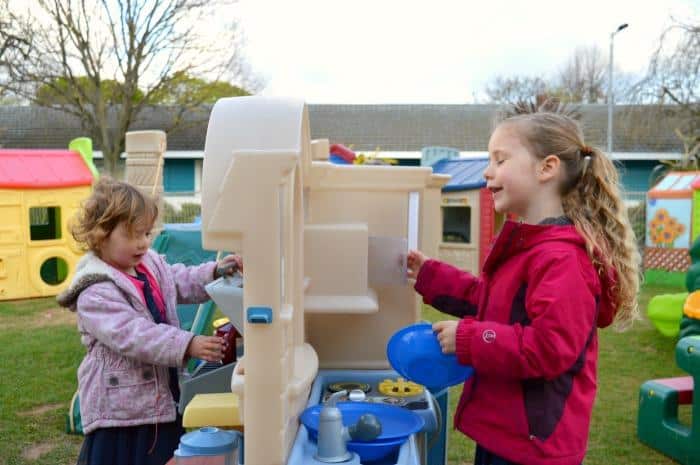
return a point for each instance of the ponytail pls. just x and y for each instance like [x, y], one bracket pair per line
[596, 207]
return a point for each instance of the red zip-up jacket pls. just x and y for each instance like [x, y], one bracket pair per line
[528, 328]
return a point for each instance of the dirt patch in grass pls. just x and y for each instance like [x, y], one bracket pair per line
[56, 316]
[35, 451]
[40, 410]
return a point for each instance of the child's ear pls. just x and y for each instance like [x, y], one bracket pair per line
[549, 167]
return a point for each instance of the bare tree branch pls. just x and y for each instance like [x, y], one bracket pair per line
[581, 79]
[672, 83]
[515, 89]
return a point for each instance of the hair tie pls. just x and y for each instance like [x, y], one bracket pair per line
[586, 150]
[586, 164]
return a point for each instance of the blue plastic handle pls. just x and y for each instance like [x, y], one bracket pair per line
[259, 315]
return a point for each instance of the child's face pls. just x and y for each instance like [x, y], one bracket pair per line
[512, 172]
[124, 251]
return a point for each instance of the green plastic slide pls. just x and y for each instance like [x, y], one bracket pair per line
[665, 312]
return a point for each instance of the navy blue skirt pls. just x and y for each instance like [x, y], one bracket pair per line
[484, 457]
[132, 445]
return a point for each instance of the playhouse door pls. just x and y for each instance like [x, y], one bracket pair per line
[13, 277]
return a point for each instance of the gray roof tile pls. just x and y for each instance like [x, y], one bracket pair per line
[365, 127]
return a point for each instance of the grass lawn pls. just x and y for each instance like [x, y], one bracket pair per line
[40, 352]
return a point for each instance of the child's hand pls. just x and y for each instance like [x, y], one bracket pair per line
[414, 261]
[228, 266]
[447, 335]
[209, 348]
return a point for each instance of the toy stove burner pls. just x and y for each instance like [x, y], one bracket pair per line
[400, 388]
[349, 386]
[392, 401]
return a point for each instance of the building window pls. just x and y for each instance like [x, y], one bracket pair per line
[456, 224]
[178, 175]
[44, 223]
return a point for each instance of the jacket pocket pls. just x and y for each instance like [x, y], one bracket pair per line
[131, 394]
[544, 404]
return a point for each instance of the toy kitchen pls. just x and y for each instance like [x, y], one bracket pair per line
[325, 289]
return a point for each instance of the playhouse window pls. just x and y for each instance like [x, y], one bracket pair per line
[44, 223]
[54, 271]
[456, 224]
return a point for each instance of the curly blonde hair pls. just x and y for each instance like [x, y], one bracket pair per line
[111, 203]
[592, 199]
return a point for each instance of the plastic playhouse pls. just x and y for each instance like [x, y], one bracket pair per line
[324, 247]
[673, 223]
[469, 221]
[40, 190]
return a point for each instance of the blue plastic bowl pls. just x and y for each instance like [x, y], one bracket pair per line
[397, 425]
[415, 353]
[372, 451]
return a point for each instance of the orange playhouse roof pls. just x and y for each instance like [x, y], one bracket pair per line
[39, 168]
[676, 184]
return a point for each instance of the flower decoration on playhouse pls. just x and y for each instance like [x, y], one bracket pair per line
[664, 229]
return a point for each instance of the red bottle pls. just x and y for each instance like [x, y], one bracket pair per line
[226, 331]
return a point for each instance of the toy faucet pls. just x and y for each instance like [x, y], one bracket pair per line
[333, 436]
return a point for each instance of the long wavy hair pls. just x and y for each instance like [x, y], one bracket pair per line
[592, 199]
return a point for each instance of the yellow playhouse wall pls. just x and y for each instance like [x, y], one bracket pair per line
[20, 257]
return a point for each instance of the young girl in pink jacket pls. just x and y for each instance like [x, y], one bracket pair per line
[126, 296]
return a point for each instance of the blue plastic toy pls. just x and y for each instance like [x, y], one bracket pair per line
[397, 425]
[415, 353]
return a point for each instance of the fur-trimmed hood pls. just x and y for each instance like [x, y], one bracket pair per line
[92, 270]
[89, 270]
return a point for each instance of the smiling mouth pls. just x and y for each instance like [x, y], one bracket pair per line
[495, 190]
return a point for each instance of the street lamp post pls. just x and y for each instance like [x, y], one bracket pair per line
[611, 95]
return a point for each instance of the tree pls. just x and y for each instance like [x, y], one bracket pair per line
[62, 92]
[103, 61]
[672, 83]
[515, 89]
[9, 40]
[582, 78]
[186, 90]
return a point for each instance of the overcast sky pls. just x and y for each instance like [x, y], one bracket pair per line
[438, 51]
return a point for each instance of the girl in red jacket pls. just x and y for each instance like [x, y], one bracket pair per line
[529, 322]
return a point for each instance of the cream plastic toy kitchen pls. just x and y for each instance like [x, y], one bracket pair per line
[324, 248]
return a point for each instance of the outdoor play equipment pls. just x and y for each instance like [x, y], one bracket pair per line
[658, 425]
[40, 190]
[665, 312]
[324, 247]
[674, 314]
[673, 223]
[469, 222]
